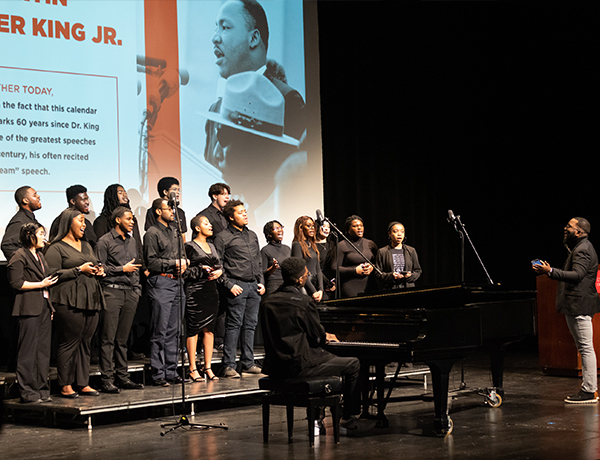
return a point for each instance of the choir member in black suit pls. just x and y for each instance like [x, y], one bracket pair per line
[219, 194]
[77, 298]
[28, 275]
[273, 254]
[354, 270]
[398, 261]
[202, 296]
[28, 201]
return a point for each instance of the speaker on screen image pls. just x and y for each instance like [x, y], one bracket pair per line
[255, 122]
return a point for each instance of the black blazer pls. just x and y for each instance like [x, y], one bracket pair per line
[386, 265]
[576, 294]
[24, 266]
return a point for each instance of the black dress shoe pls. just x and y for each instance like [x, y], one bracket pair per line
[33, 401]
[176, 380]
[69, 395]
[109, 388]
[160, 383]
[47, 399]
[91, 392]
[129, 385]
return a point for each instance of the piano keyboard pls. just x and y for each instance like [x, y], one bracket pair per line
[363, 344]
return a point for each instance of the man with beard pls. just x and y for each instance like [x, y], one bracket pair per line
[28, 201]
[117, 251]
[77, 198]
[165, 292]
[578, 300]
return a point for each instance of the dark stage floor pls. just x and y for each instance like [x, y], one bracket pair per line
[532, 423]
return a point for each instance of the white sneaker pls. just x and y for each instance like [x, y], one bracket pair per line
[355, 426]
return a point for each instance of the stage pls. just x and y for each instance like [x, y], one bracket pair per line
[533, 422]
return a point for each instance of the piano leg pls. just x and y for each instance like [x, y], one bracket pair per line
[440, 371]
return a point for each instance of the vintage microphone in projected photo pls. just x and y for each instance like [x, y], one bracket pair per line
[167, 85]
[462, 231]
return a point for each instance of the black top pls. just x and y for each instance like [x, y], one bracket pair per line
[151, 220]
[74, 288]
[89, 234]
[216, 218]
[315, 282]
[352, 283]
[161, 249]
[292, 332]
[240, 253]
[271, 251]
[10, 240]
[102, 226]
[114, 252]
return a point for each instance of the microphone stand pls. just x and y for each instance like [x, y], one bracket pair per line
[321, 217]
[183, 419]
[462, 231]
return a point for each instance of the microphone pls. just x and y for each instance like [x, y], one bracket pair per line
[452, 219]
[320, 216]
[173, 201]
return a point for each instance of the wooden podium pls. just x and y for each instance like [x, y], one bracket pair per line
[557, 351]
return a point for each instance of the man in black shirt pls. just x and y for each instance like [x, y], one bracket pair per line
[29, 202]
[294, 339]
[117, 251]
[166, 187]
[219, 195]
[165, 292]
[77, 198]
[238, 248]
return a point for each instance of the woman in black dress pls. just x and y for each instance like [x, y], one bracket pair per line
[273, 254]
[77, 298]
[202, 297]
[304, 246]
[27, 273]
[398, 261]
[326, 246]
[354, 270]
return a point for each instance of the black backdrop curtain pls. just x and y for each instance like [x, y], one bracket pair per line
[486, 108]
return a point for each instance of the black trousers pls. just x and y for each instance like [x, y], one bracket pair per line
[349, 369]
[116, 324]
[33, 356]
[75, 329]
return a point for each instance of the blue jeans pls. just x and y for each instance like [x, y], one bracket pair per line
[240, 324]
[582, 332]
[165, 297]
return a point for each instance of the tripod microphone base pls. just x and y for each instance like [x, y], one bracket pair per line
[185, 422]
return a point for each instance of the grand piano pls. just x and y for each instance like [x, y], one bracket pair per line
[437, 326]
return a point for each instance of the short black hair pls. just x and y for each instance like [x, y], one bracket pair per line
[268, 229]
[583, 224]
[229, 208]
[157, 204]
[27, 233]
[73, 191]
[217, 189]
[257, 19]
[351, 219]
[292, 269]
[20, 194]
[165, 184]
[119, 211]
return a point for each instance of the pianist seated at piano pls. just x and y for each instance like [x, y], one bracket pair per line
[398, 261]
[294, 340]
[355, 271]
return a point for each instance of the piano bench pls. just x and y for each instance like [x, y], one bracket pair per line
[309, 392]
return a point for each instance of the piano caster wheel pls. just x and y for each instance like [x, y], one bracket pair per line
[493, 399]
